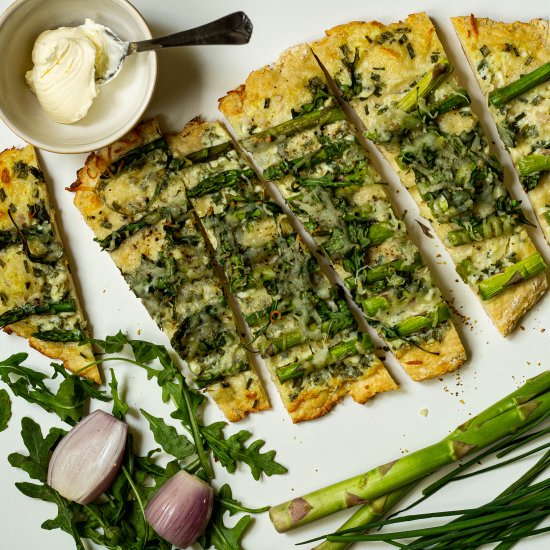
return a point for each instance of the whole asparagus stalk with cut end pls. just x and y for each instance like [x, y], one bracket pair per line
[368, 513]
[500, 96]
[505, 417]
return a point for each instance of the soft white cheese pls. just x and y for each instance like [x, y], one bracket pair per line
[68, 63]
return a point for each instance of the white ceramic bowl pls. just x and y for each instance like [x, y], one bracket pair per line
[120, 103]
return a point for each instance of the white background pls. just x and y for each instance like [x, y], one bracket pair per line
[352, 438]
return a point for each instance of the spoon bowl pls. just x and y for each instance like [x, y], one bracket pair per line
[235, 28]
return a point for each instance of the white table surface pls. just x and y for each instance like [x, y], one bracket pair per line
[352, 438]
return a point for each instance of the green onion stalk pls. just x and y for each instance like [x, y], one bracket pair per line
[515, 274]
[500, 96]
[507, 416]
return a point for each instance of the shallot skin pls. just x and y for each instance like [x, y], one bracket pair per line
[180, 510]
[87, 460]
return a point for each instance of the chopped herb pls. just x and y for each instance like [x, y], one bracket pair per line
[411, 51]
[485, 51]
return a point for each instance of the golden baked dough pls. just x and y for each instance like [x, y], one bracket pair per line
[34, 270]
[274, 96]
[133, 198]
[388, 61]
[499, 54]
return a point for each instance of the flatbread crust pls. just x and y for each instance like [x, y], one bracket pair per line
[315, 399]
[19, 285]
[283, 87]
[237, 395]
[500, 53]
[400, 69]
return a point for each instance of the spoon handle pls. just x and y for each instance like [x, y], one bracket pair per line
[235, 28]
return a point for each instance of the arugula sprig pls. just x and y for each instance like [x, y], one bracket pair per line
[67, 402]
[117, 522]
[228, 451]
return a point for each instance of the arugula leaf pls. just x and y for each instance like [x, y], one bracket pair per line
[39, 447]
[112, 344]
[5, 409]
[220, 536]
[120, 407]
[67, 403]
[168, 438]
[233, 450]
[226, 500]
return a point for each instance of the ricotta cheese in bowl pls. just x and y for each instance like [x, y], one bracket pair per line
[69, 66]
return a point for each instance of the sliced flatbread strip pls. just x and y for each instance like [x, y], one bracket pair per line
[500, 54]
[304, 330]
[37, 295]
[298, 135]
[132, 197]
[396, 78]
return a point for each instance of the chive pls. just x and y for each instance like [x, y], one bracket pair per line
[429, 82]
[19, 313]
[410, 50]
[532, 164]
[500, 96]
[517, 273]
[485, 51]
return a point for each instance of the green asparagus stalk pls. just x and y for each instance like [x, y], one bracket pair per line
[305, 121]
[459, 98]
[329, 151]
[335, 354]
[532, 164]
[285, 341]
[417, 323]
[135, 154]
[368, 513]
[429, 82]
[374, 305]
[493, 226]
[529, 267]
[229, 178]
[529, 402]
[19, 313]
[116, 238]
[383, 271]
[210, 377]
[500, 96]
[58, 335]
[209, 153]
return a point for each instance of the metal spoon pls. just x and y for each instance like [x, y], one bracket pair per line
[235, 28]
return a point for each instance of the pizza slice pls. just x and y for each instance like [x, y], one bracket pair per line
[303, 328]
[398, 80]
[296, 131]
[132, 197]
[511, 62]
[38, 300]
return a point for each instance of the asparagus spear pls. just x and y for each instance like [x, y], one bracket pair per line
[229, 178]
[19, 313]
[529, 267]
[532, 164]
[303, 122]
[530, 401]
[493, 226]
[500, 96]
[429, 82]
[416, 323]
[59, 335]
[335, 354]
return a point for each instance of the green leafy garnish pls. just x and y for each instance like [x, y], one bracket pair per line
[5, 409]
